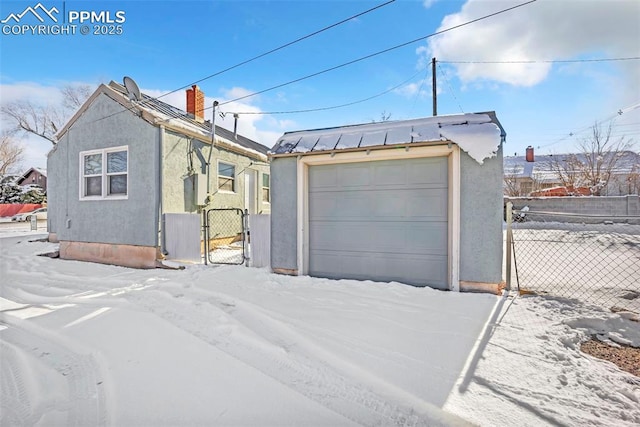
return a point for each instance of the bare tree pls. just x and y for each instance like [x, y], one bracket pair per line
[10, 153]
[568, 169]
[602, 154]
[44, 120]
[633, 179]
[593, 166]
[511, 185]
[74, 96]
[384, 117]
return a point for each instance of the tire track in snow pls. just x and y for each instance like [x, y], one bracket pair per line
[86, 403]
[15, 409]
[208, 320]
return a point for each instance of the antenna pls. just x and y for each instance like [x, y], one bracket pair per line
[132, 89]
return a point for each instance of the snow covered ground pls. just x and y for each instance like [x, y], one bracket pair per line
[88, 344]
[595, 263]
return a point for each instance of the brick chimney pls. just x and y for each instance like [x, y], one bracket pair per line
[195, 103]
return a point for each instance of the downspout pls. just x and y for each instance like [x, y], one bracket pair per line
[161, 241]
[213, 140]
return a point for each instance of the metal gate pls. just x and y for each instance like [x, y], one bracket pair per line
[226, 235]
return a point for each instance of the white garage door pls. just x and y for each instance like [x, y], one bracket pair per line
[382, 220]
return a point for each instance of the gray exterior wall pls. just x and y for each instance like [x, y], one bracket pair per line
[284, 217]
[481, 219]
[133, 221]
[179, 151]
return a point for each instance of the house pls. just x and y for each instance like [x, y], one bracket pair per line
[34, 176]
[415, 201]
[564, 174]
[122, 163]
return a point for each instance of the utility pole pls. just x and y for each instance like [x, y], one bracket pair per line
[433, 86]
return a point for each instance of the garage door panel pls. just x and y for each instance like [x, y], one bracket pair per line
[379, 205]
[427, 205]
[355, 176]
[381, 220]
[415, 270]
[323, 178]
[390, 174]
[428, 171]
[404, 238]
[339, 206]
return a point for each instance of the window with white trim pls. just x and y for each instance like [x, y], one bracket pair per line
[266, 196]
[104, 174]
[226, 177]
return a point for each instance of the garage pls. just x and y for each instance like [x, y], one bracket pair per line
[415, 201]
[380, 220]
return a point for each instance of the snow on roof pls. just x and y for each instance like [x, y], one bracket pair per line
[478, 134]
[542, 169]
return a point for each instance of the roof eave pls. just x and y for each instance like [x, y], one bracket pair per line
[407, 145]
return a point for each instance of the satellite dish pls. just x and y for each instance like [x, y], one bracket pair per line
[132, 89]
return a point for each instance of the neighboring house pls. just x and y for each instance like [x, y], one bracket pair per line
[34, 176]
[121, 164]
[416, 201]
[541, 177]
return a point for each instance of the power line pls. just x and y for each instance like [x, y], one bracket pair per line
[328, 108]
[415, 98]
[376, 53]
[450, 88]
[143, 103]
[542, 61]
[280, 47]
[598, 123]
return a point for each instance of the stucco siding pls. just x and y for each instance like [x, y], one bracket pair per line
[481, 219]
[133, 221]
[284, 213]
[183, 156]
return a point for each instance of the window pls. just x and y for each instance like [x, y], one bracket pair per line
[226, 177]
[265, 188]
[104, 173]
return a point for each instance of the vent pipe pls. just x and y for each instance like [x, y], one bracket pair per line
[235, 125]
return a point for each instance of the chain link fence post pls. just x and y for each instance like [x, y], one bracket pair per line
[509, 215]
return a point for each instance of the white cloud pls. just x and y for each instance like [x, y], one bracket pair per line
[545, 30]
[46, 95]
[249, 125]
[237, 92]
[428, 3]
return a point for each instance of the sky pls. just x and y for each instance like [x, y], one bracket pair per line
[545, 68]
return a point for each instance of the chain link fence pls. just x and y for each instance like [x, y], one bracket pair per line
[226, 241]
[593, 259]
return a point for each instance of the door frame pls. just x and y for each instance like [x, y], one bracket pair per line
[253, 173]
[451, 151]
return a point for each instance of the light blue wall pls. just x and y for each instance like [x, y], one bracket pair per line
[133, 221]
[284, 213]
[480, 217]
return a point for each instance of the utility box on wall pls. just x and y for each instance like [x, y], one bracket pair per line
[195, 191]
[200, 187]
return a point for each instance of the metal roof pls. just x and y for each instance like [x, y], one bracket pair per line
[155, 104]
[367, 135]
[542, 168]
